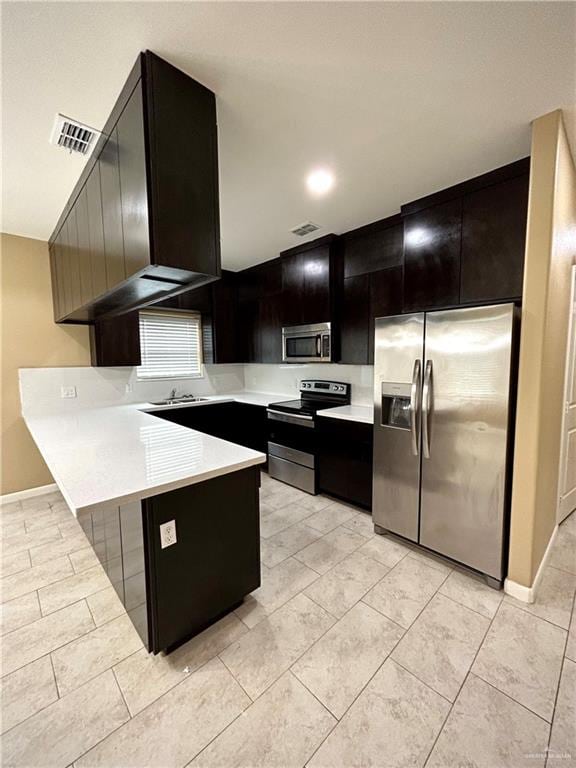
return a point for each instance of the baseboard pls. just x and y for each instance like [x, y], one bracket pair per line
[29, 493]
[528, 594]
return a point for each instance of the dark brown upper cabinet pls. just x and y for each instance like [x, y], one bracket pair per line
[493, 241]
[260, 302]
[115, 341]
[142, 223]
[374, 247]
[432, 257]
[308, 278]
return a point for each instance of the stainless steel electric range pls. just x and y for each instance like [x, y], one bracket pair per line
[292, 439]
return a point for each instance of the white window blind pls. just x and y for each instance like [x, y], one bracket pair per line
[170, 344]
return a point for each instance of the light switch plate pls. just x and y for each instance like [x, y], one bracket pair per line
[67, 392]
[168, 534]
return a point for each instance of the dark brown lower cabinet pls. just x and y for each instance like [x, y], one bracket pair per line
[345, 460]
[173, 593]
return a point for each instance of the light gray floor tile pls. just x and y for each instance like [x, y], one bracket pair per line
[71, 589]
[13, 544]
[282, 495]
[9, 508]
[571, 642]
[405, 590]
[315, 503]
[331, 517]
[392, 724]
[59, 548]
[93, 653]
[268, 650]
[361, 523]
[441, 644]
[40, 502]
[45, 635]
[341, 588]
[279, 585]
[27, 691]
[522, 656]
[339, 665]
[386, 550]
[57, 735]
[15, 563]
[83, 559]
[70, 528]
[330, 549]
[51, 516]
[19, 612]
[486, 729]
[282, 518]
[563, 738]
[563, 554]
[286, 543]
[554, 597]
[105, 605]
[472, 593]
[431, 560]
[12, 529]
[280, 730]
[144, 677]
[197, 710]
[34, 578]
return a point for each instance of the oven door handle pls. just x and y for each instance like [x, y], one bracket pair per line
[289, 418]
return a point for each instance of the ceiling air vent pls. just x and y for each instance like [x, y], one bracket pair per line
[305, 229]
[72, 135]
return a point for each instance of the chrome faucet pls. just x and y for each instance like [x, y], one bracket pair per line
[172, 394]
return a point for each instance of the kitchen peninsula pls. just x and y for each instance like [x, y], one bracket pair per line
[154, 500]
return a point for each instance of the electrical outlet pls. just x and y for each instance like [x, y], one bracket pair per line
[168, 534]
[67, 392]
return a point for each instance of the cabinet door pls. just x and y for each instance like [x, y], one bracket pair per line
[385, 300]
[112, 212]
[115, 341]
[355, 320]
[269, 334]
[345, 460]
[369, 249]
[132, 160]
[61, 271]
[306, 287]
[225, 320]
[493, 241]
[54, 280]
[96, 232]
[86, 291]
[73, 262]
[432, 257]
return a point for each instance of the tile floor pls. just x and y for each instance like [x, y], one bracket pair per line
[356, 651]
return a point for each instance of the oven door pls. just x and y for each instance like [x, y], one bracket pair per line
[306, 343]
[292, 450]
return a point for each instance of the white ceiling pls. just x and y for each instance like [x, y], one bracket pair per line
[399, 99]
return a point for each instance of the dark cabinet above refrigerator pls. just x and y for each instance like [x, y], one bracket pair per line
[142, 223]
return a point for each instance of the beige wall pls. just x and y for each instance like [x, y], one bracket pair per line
[30, 339]
[550, 253]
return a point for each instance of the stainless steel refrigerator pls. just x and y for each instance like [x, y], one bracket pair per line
[443, 405]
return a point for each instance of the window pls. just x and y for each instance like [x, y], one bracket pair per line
[171, 345]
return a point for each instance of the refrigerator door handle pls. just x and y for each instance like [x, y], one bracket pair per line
[426, 408]
[415, 407]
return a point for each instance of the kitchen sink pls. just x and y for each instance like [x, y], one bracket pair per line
[178, 400]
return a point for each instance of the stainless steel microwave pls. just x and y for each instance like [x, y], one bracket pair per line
[307, 343]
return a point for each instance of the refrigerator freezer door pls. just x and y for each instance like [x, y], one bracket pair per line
[398, 350]
[466, 407]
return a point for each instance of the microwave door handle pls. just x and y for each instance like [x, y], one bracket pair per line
[319, 345]
[415, 407]
[426, 408]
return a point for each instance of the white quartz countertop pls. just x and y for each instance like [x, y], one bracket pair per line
[116, 454]
[361, 413]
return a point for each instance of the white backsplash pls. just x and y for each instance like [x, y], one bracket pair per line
[40, 388]
[285, 379]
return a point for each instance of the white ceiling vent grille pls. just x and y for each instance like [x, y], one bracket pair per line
[305, 229]
[72, 135]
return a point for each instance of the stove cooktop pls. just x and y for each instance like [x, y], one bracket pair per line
[306, 407]
[316, 396]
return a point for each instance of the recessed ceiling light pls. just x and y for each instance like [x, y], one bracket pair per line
[320, 182]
